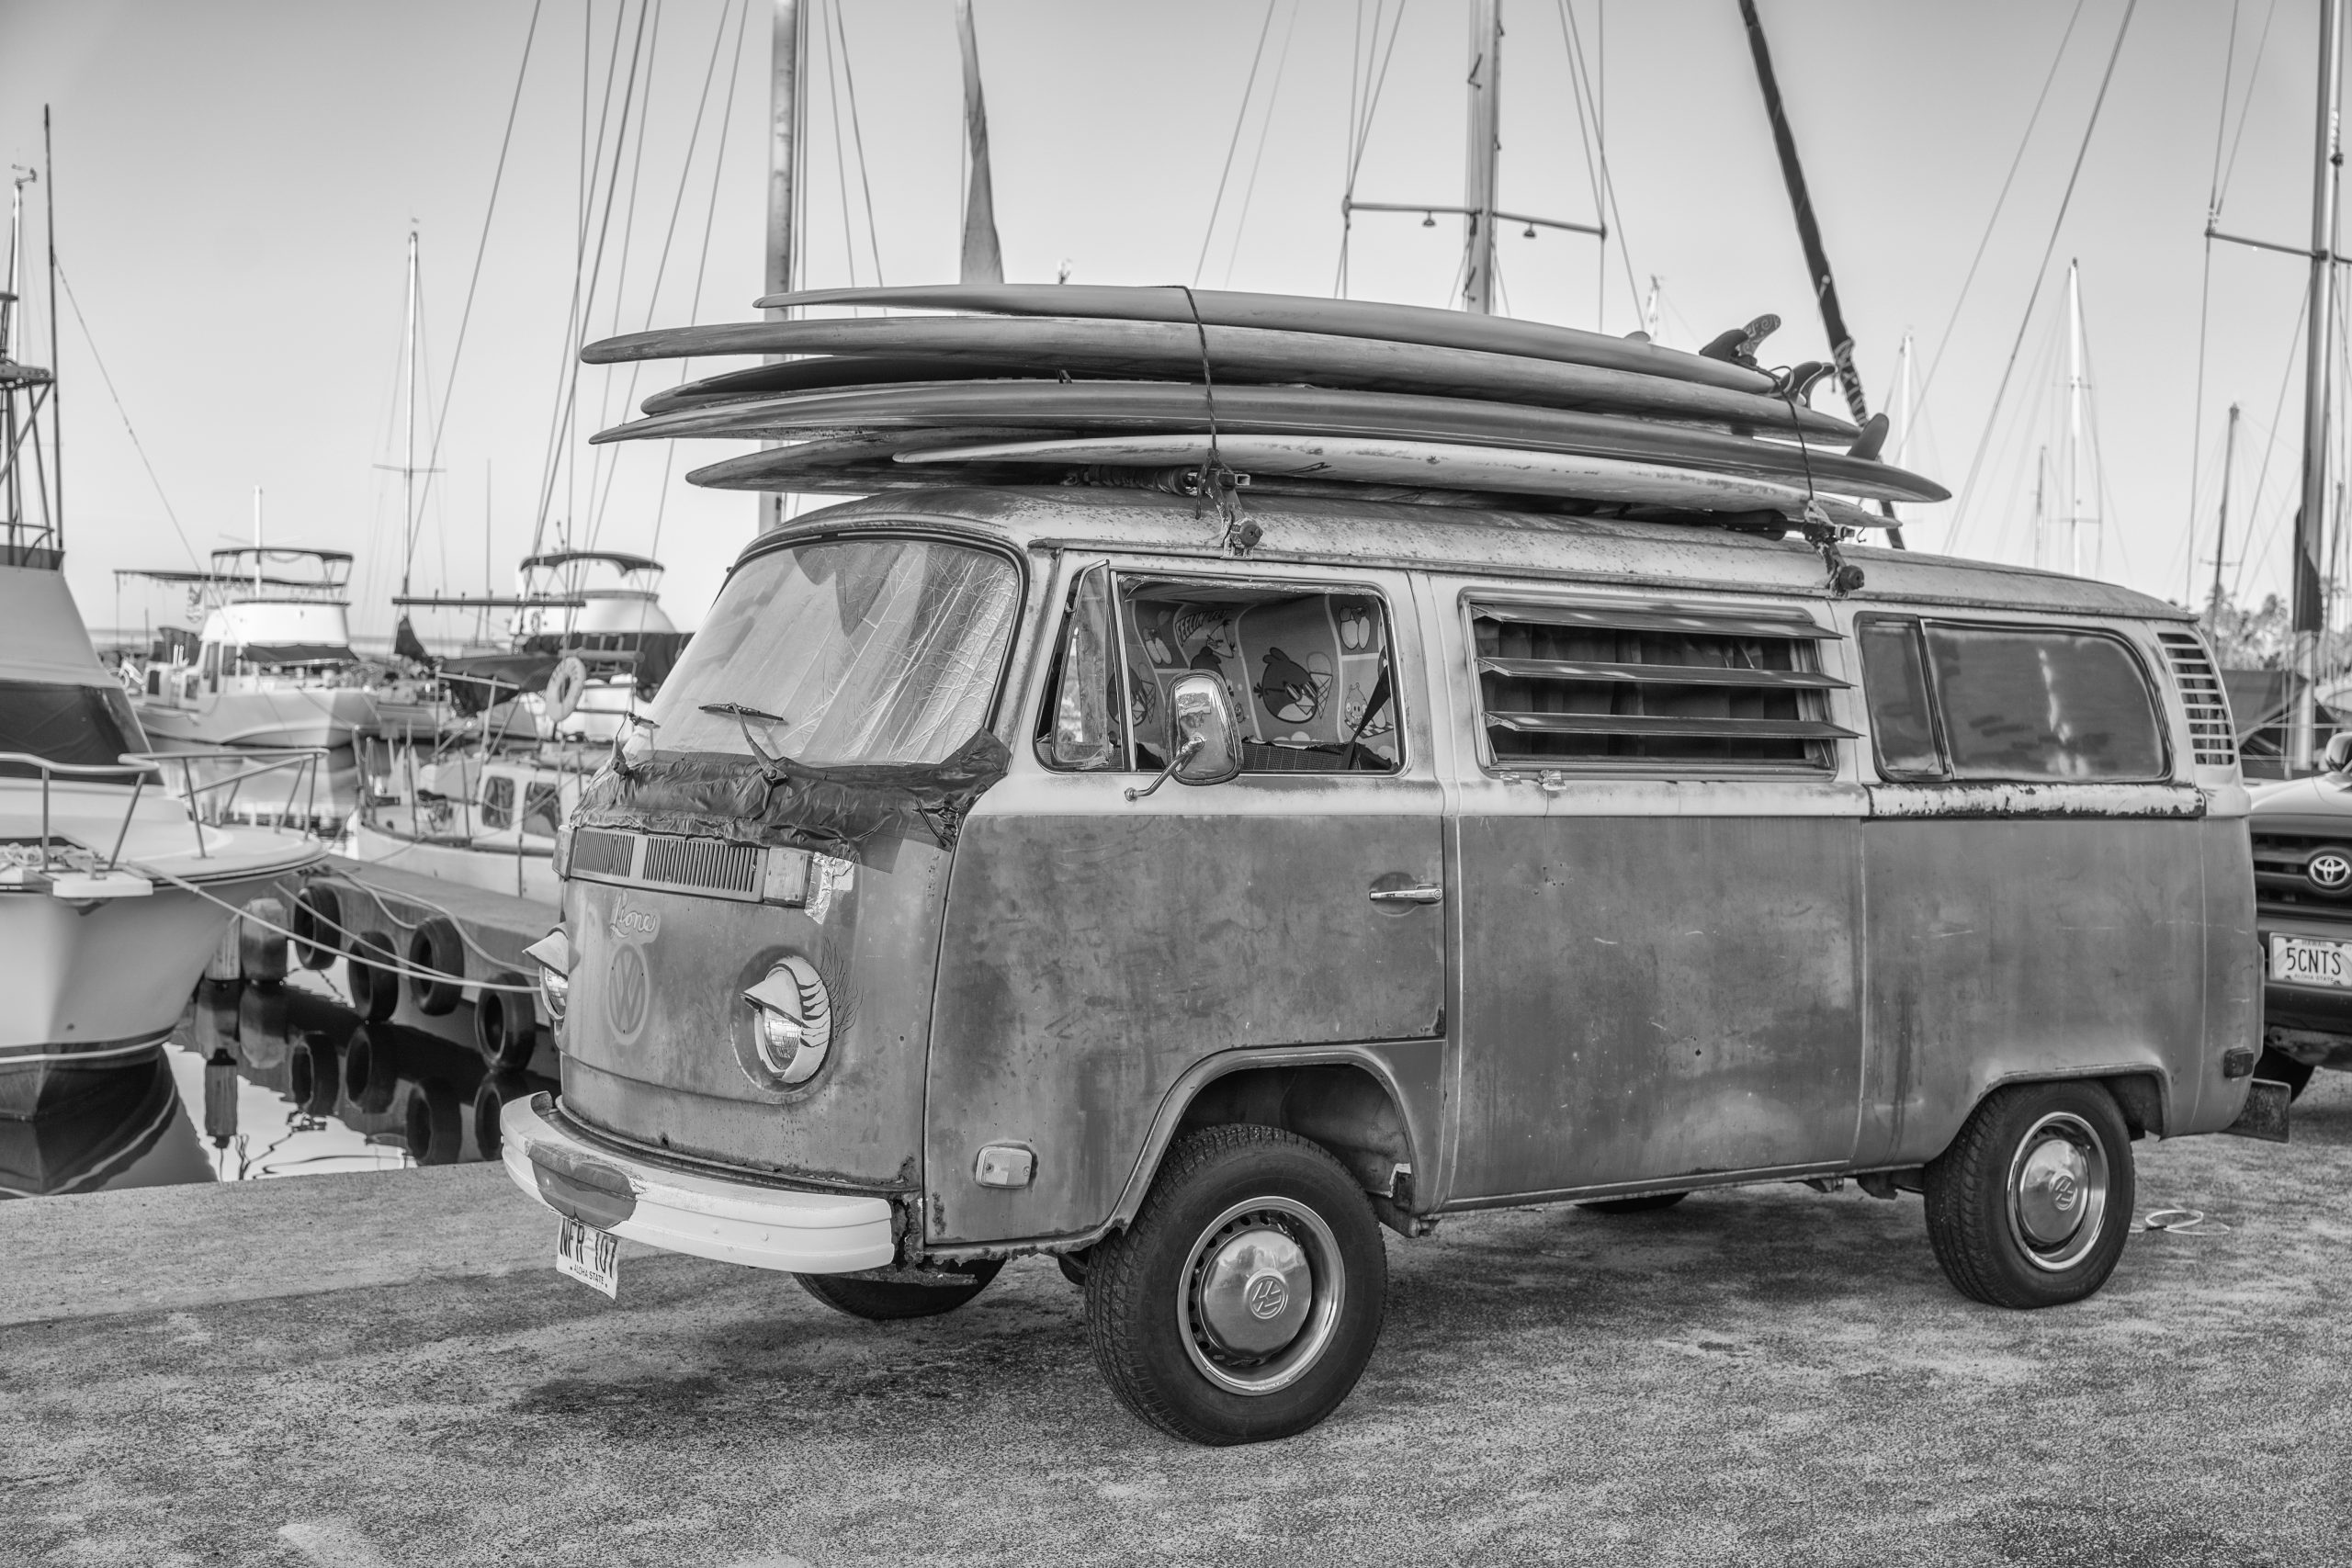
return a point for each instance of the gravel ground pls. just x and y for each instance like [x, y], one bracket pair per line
[381, 1369]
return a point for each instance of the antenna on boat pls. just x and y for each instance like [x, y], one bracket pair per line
[2222, 524]
[256, 539]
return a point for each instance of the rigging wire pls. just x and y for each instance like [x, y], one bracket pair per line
[66, 286]
[661, 263]
[1927, 380]
[604, 460]
[840, 164]
[1616, 215]
[2041, 273]
[1361, 131]
[2205, 298]
[2261, 475]
[1240, 117]
[857, 132]
[481, 245]
[1265, 134]
[702, 266]
[2253, 72]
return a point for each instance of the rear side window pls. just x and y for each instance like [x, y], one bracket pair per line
[1951, 701]
[1651, 689]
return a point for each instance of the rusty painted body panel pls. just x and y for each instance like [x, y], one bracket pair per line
[1628, 979]
[679, 1081]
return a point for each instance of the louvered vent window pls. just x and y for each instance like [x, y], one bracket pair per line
[2212, 737]
[706, 863]
[598, 853]
[1631, 688]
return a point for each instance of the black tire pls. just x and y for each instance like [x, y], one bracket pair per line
[2008, 1166]
[369, 1076]
[316, 925]
[490, 1105]
[431, 1124]
[435, 945]
[506, 1026]
[887, 1300]
[2279, 1067]
[1157, 1344]
[311, 1074]
[375, 987]
[1646, 1203]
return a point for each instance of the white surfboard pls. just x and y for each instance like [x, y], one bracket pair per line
[1442, 465]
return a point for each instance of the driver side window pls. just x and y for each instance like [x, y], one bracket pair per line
[1309, 674]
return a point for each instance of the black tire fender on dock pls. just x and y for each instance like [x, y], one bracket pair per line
[369, 1076]
[431, 1126]
[507, 1025]
[490, 1105]
[435, 945]
[317, 926]
[375, 977]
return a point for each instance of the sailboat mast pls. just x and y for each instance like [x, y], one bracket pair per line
[783, 149]
[2221, 526]
[2041, 520]
[983, 259]
[2074, 418]
[408, 433]
[1484, 147]
[256, 539]
[2311, 519]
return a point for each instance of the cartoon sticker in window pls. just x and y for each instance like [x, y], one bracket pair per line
[1355, 624]
[1291, 692]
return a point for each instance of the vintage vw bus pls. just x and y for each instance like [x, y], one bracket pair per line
[1025, 871]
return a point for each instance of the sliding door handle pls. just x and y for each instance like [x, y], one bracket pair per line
[1408, 895]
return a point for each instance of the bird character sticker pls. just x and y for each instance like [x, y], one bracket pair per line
[1293, 693]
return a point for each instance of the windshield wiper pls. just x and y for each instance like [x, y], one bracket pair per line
[739, 711]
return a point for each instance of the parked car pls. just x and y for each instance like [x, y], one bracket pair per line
[1029, 872]
[2302, 878]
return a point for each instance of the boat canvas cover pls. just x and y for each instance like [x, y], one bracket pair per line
[297, 653]
[41, 634]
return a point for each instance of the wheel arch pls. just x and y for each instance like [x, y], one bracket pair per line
[2142, 1093]
[1347, 1099]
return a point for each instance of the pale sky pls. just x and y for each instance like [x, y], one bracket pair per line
[236, 180]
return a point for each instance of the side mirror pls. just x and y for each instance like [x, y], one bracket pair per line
[1206, 734]
[2339, 757]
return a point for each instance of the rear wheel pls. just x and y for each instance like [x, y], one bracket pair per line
[2279, 1067]
[1646, 1203]
[1246, 1298]
[888, 1301]
[2032, 1204]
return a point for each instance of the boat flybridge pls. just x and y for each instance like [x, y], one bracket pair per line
[271, 664]
[588, 643]
[113, 894]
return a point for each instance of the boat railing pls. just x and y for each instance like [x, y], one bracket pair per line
[214, 798]
[134, 770]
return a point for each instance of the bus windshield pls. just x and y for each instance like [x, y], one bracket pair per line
[845, 651]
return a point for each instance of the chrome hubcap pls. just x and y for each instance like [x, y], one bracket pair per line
[1260, 1296]
[2058, 1191]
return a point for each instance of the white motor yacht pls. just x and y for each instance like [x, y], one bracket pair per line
[484, 816]
[272, 665]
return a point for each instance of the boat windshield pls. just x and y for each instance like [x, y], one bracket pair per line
[845, 651]
[62, 723]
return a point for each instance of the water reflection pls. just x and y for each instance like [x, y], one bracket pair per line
[262, 1081]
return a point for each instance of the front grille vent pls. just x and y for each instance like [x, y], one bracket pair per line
[2279, 877]
[708, 865]
[2212, 738]
[596, 852]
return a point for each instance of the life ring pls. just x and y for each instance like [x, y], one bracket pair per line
[565, 687]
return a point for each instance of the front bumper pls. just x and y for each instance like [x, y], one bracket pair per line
[734, 1221]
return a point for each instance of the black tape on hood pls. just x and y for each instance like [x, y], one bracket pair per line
[841, 811]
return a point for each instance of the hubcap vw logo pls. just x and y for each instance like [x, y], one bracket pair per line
[2330, 870]
[1266, 1297]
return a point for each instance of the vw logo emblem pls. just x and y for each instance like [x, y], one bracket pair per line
[2062, 1190]
[629, 991]
[1266, 1297]
[2330, 870]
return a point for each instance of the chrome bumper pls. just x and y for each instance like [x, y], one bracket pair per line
[734, 1221]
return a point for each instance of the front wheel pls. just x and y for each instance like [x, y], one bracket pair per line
[1246, 1298]
[2032, 1204]
[888, 1301]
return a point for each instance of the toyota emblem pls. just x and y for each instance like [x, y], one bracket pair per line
[2330, 870]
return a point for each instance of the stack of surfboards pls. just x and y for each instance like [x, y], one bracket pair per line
[1032, 384]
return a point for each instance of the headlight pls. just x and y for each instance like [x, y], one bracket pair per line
[552, 953]
[792, 1020]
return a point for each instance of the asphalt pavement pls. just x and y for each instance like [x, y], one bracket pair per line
[359, 1371]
